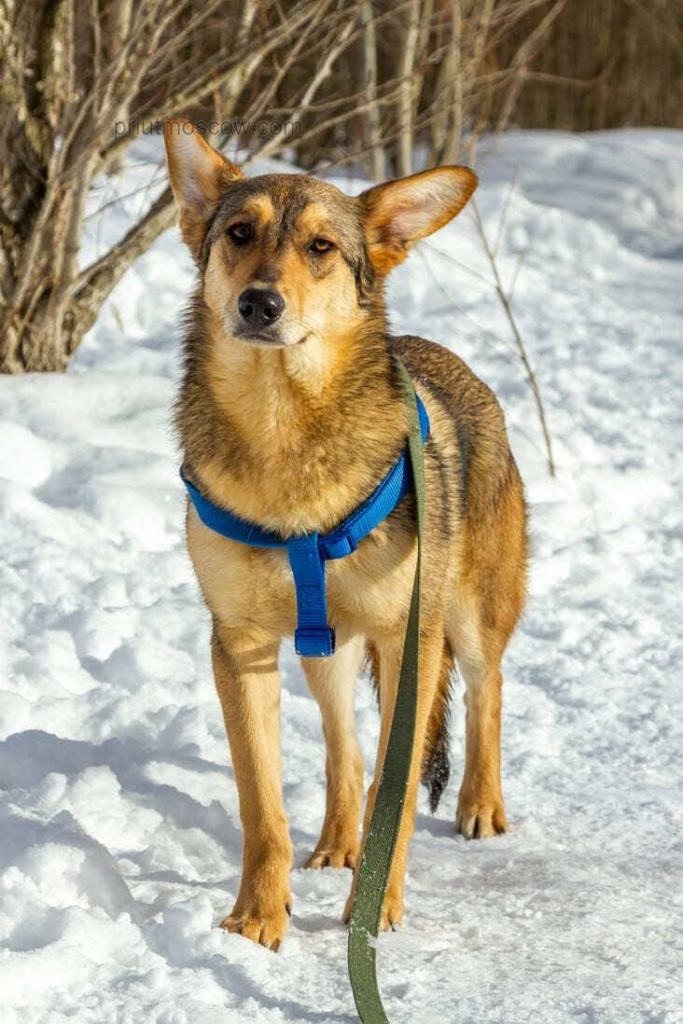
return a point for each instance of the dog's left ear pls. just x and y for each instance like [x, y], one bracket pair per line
[199, 176]
[401, 212]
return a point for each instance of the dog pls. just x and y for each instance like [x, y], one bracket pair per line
[289, 413]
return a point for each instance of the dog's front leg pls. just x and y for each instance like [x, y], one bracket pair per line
[248, 684]
[389, 654]
[332, 682]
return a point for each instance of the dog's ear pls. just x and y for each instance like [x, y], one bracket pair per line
[198, 177]
[400, 212]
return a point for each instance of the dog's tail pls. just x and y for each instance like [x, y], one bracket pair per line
[436, 767]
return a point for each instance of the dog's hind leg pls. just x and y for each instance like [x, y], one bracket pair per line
[484, 612]
[481, 811]
[248, 684]
[332, 682]
[478, 652]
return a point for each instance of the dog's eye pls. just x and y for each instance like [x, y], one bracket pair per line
[240, 233]
[321, 245]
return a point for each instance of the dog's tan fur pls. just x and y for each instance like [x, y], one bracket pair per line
[293, 436]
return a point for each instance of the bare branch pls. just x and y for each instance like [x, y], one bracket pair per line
[95, 283]
[405, 93]
[521, 60]
[321, 74]
[521, 348]
[451, 75]
[373, 131]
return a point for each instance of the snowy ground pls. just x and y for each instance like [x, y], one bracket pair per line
[119, 835]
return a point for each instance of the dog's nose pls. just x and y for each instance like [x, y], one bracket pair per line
[260, 307]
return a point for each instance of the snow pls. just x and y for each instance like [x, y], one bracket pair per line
[119, 837]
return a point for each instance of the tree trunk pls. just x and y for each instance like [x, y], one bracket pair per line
[45, 344]
[28, 79]
[57, 304]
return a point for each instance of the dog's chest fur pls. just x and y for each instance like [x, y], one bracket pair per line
[253, 588]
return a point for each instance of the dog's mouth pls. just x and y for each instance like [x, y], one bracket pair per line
[266, 338]
[259, 338]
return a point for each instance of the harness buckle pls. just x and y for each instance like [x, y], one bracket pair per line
[314, 641]
[338, 547]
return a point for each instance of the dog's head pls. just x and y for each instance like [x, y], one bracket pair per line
[286, 258]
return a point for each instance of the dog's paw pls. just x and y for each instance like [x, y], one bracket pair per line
[348, 909]
[263, 924]
[338, 855]
[392, 909]
[479, 820]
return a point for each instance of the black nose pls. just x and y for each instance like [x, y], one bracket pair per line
[260, 307]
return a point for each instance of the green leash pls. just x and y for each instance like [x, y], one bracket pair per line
[375, 864]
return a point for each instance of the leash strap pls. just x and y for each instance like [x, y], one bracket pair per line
[375, 865]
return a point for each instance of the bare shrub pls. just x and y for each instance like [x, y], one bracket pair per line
[71, 71]
[383, 83]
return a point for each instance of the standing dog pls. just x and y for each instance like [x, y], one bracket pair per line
[290, 412]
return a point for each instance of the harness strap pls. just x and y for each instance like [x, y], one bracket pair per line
[375, 864]
[313, 637]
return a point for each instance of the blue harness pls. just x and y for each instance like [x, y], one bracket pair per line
[313, 637]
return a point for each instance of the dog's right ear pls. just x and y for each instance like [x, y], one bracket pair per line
[198, 176]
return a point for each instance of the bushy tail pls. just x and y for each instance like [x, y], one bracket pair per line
[436, 767]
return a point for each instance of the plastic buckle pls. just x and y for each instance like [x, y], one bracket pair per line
[314, 641]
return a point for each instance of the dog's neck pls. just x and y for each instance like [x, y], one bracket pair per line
[291, 438]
